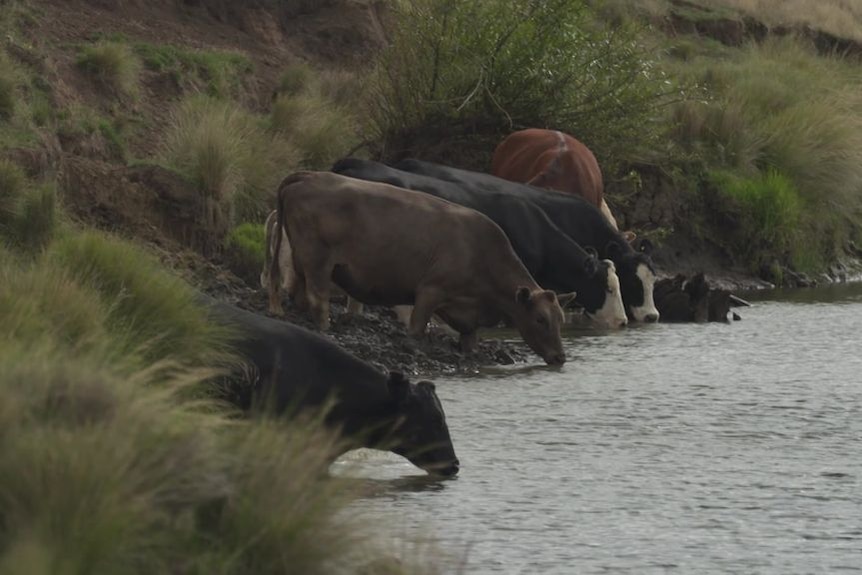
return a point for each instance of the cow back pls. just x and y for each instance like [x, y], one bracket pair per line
[552, 160]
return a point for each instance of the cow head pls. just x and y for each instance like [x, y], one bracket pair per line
[637, 278]
[421, 435]
[538, 316]
[600, 295]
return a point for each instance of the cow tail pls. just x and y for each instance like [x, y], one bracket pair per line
[280, 225]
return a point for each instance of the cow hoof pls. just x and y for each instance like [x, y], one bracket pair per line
[277, 311]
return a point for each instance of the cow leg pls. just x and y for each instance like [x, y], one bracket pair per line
[468, 341]
[317, 286]
[297, 292]
[403, 313]
[427, 301]
[354, 307]
[275, 307]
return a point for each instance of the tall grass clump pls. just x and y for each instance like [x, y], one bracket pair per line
[102, 472]
[154, 311]
[113, 64]
[319, 129]
[529, 64]
[229, 155]
[781, 107]
[28, 214]
[295, 79]
[8, 81]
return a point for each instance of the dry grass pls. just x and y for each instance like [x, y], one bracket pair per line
[841, 18]
[235, 162]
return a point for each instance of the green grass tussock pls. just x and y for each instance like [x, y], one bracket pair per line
[231, 157]
[152, 312]
[116, 465]
[767, 210]
[113, 64]
[42, 303]
[244, 251]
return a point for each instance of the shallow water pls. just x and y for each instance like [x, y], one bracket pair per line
[688, 448]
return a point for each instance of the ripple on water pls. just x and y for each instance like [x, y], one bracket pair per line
[694, 448]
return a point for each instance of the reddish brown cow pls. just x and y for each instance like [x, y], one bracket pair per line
[553, 160]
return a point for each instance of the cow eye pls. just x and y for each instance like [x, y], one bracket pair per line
[610, 290]
[541, 320]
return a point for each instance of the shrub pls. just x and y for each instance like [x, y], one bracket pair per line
[154, 311]
[232, 159]
[540, 64]
[113, 64]
[244, 251]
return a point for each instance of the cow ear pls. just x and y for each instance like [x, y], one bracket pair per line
[566, 298]
[645, 246]
[629, 236]
[429, 385]
[591, 266]
[522, 295]
[613, 250]
[399, 386]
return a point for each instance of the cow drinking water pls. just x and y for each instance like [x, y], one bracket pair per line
[293, 368]
[389, 246]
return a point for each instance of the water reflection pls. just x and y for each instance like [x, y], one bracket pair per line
[706, 448]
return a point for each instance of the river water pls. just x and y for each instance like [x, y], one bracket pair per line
[659, 448]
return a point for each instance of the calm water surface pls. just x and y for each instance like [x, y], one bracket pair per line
[687, 448]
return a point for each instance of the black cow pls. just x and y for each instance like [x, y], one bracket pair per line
[296, 368]
[552, 258]
[578, 219]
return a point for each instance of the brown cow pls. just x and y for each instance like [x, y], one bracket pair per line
[388, 246]
[553, 160]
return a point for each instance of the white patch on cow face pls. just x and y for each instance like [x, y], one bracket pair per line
[612, 313]
[647, 311]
